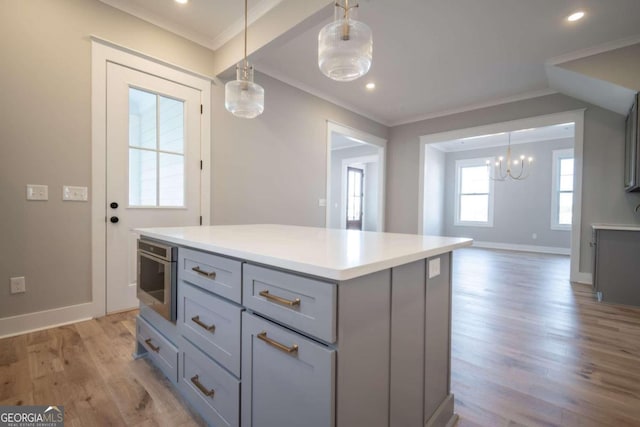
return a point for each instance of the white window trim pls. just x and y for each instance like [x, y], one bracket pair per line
[470, 163]
[555, 182]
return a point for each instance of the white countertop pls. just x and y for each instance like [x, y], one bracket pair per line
[330, 253]
[620, 227]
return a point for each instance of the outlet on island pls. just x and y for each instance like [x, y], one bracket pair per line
[18, 285]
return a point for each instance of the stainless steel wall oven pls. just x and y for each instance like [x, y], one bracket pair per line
[157, 277]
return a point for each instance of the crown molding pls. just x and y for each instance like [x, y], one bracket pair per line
[255, 13]
[594, 50]
[312, 91]
[476, 106]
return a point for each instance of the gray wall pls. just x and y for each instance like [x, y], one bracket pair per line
[45, 134]
[337, 203]
[271, 169]
[521, 208]
[603, 199]
[434, 185]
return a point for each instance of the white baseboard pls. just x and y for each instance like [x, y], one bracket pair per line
[522, 248]
[31, 322]
[584, 278]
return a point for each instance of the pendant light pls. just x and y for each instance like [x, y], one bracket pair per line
[345, 45]
[242, 97]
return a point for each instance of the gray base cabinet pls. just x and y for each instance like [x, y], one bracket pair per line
[616, 276]
[256, 346]
[289, 380]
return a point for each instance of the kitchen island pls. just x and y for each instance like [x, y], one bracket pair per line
[300, 326]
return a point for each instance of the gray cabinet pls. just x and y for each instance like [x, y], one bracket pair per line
[257, 346]
[616, 275]
[288, 380]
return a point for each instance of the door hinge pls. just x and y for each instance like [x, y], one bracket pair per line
[200, 164]
[200, 220]
[200, 108]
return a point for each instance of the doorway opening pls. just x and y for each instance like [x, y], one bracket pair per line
[355, 179]
[460, 195]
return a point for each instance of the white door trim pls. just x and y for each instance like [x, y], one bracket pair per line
[101, 53]
[576, 116]
[382, 151]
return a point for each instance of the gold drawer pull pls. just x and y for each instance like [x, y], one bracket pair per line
[289, 350]
[208, 274]
[197, 321]
[203, 389]
[278, 299]
[151, 346]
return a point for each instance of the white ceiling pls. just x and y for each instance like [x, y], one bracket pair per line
[210, 23]
[522, 136]
[430, 57]
[340, 141]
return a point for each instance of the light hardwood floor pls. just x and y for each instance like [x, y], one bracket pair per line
[88, 368]
[531, 349]
[528, 349]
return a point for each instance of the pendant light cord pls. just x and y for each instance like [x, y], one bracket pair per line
[245, 33]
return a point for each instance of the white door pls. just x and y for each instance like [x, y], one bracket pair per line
[153, 168]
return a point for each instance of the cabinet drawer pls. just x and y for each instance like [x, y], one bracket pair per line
[211, 323]
[216, 274]
[302, 303]
[214, 392]
[289, 380]
[160, 350]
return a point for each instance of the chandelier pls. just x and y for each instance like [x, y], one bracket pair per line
[242, 97]
[505, 167]
[345, 46]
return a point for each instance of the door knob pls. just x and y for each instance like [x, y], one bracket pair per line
[114, 205]
[114, 219]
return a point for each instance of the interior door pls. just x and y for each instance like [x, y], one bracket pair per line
[355, 178]
[153, 168]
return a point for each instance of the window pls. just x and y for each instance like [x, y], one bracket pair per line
[474, 193]
[156, 150]
[562, 190]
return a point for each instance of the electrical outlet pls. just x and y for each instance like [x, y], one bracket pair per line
[434, 268]
[37, 192]
[18, 285]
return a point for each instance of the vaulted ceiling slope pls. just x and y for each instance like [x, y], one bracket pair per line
[431, 57]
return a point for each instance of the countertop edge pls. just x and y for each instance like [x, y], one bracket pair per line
[313, 270]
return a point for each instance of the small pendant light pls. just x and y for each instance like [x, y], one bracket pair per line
[345, 46]
[242, 97]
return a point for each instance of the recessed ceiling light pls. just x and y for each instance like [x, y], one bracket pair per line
[182, 1]
[371, 86]
[575, 16]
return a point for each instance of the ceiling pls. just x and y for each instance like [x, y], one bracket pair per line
[340, 141]
[522, 136]
[430, 57]
[211, 23]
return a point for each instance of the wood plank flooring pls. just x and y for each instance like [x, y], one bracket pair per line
[88, 368]
[528, 349]
[531, 349]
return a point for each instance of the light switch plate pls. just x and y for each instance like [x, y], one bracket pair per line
[322, 202]
[76, 194]
[434, 268]
[37, 192]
